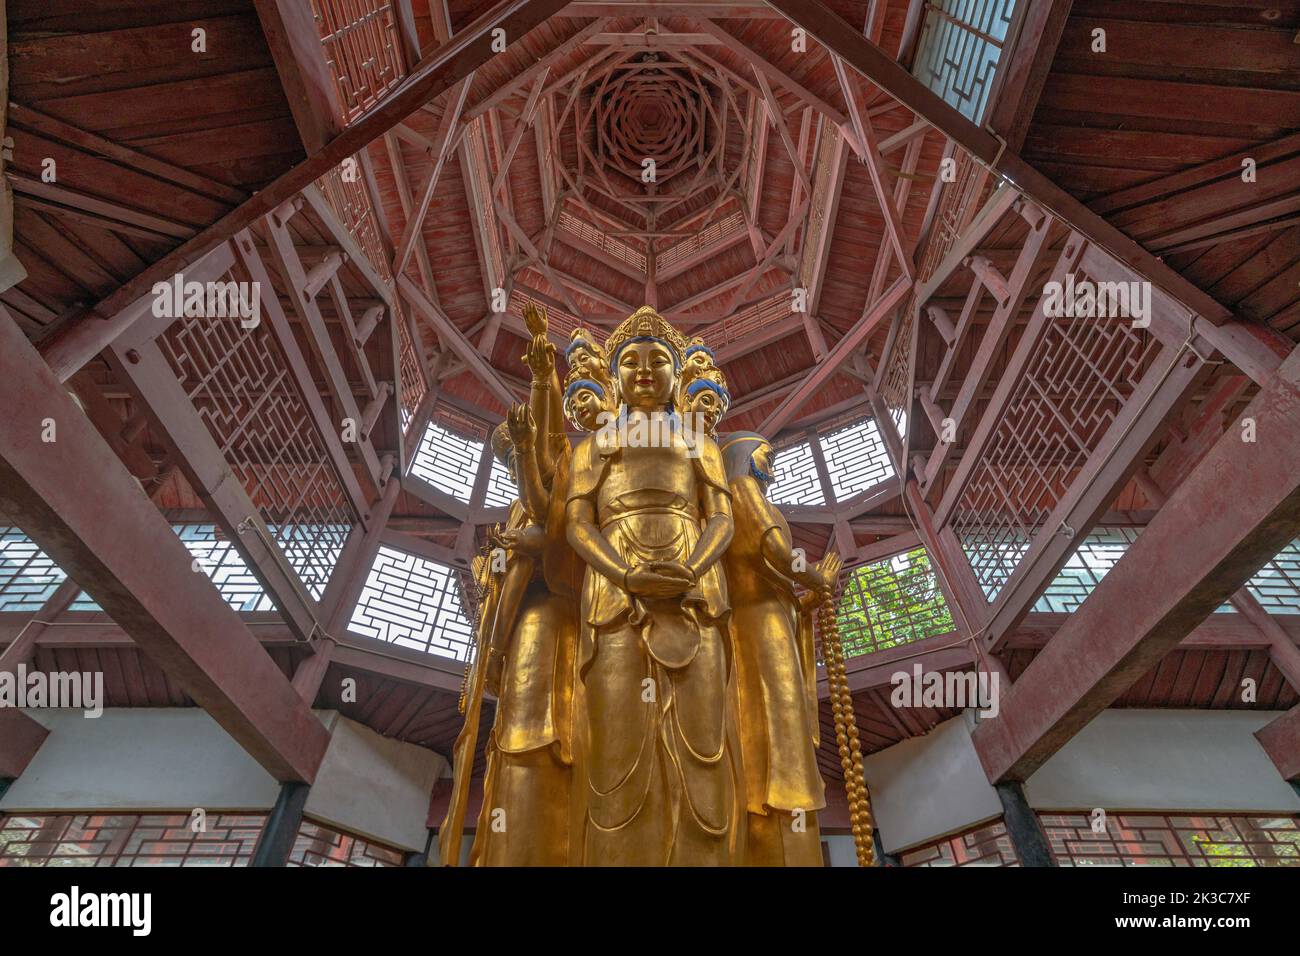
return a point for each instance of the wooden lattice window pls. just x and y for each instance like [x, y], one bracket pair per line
[984, 845]
[363, 49]
[1157, 839]
[129, 839]
[1069, 394]
[501, 489]
[891, 602]
[959, 48]
[856, 458]
[413, 602]
[448, 460]
[243, 389]
[321, 845]
[797, 482]
[28, 576]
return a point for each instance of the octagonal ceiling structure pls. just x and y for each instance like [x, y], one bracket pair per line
[763, 228]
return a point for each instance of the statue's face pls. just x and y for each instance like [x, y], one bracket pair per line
[700, 360]
[762, 458]
[646, 374]
[582, 358]
[707, 405]
[586, 406]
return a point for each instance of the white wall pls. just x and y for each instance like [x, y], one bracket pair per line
[925, 787]
[1164, 760]
[375, 786]
[1204, 760]
[139, 759]
[179, 759]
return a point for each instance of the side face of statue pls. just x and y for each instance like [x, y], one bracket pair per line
[775, 666]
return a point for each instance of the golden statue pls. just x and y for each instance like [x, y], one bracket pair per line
[527, 635]
[639, 626]
[775, 664]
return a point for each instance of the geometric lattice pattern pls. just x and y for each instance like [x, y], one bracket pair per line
[128, 839]
[1100, 549]
[891, 602]
[319, 845]
[957, 56]
[448, 461]
[415, 603]
[987, 845]
[362, 48]
[856, 458]
[1148, 839]
[243, 389]
[501, 488]
[896, 380]
[28, 577]
[1072, 388]
[1277, 584]
[414, 387]
[796, 477]
[220, 561]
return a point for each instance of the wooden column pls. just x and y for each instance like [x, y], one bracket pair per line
[1023, 827]
[281, 831]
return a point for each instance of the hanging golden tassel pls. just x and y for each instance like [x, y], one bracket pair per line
[846, 733]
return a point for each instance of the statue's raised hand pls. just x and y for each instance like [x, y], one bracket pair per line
[540, 356]
[535, 319]
[520, 423]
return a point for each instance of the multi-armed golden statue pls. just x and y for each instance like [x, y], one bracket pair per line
[639, 626]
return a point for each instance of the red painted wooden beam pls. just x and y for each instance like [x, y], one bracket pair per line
[841, 38]
[841, 353]
[84, 509]
[20, 738]
[1234, 512]
[81, 338]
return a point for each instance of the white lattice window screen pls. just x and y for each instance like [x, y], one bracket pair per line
[1084, 569]
[796, 477]
[856, 458]
[447, 461]
[28, 577]
[501, 489]
[413, 602]
[958, 52]
[221, 562]
[1276, 585]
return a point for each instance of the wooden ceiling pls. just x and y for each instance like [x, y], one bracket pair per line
[153, 141]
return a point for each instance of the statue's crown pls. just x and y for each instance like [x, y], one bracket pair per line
[645, 322]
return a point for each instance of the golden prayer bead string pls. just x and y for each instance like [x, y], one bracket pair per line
[846, 734]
